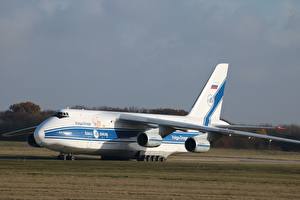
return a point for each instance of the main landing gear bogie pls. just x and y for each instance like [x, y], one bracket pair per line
[151, 158]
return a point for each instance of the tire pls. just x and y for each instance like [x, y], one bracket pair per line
[157, 158]
[60, 157]
[162, 159]
[70, 157]
[140, 158]
[147, 158]
[152, 158]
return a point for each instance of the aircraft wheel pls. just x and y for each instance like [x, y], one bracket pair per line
[152, 158]
[140, 158]
[157, 158]
[162, 159]
[147, 158]
[70, 157]
[61, 157]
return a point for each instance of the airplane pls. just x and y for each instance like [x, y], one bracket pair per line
[139, 136]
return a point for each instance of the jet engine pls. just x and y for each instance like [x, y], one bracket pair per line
[150, 138]
[31, 141]
[197, 144]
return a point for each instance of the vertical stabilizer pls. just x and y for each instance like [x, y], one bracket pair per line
[207, 108]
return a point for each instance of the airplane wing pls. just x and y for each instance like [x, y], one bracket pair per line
[23, 131]
[189, 125]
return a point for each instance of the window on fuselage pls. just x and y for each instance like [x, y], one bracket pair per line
[61, 115]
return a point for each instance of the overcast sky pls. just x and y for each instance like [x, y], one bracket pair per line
[155, 53]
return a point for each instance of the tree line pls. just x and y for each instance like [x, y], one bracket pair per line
[28, 114]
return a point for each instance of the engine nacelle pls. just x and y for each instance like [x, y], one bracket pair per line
[149, 138]
[197, 144]
[31, 141]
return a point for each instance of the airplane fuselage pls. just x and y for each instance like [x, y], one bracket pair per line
[101, 133]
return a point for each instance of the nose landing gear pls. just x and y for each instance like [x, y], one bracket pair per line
[68, 156]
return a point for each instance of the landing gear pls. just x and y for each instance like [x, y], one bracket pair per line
[140, 158]
[70, 157]
[147, 158]
[151, 158]
[162, 159]
[157, 158]
[63, 156]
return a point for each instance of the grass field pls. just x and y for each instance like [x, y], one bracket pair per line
[27, 173]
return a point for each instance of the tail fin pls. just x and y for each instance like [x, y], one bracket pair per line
[207, 107]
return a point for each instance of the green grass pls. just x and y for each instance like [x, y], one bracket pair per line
[190, 176]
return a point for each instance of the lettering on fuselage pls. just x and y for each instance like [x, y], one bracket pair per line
[83, 123]
[96, 134]
[65, 133]
[103, 134]
[88, 133]
[179, 138]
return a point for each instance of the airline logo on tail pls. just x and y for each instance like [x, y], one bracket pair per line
[215, 101]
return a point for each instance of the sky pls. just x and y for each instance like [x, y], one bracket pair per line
[155, 53]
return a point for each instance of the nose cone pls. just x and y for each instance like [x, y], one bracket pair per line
[39, 135]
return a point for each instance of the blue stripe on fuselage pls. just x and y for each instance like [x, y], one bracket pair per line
[217, 99]
[112, 135]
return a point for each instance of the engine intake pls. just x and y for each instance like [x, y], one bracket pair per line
[197, 144]
[149, 138]
[31, 141]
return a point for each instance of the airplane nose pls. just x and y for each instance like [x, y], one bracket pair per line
[39, 135]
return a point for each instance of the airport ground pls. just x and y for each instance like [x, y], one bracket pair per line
[31, 173]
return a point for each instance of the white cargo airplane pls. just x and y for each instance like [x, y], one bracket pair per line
[149, 137]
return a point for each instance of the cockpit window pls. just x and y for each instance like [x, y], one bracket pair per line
[61, 115]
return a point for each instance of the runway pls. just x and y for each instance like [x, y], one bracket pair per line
[176, 158]
[27, 173]
[229, 159]
[21, 151]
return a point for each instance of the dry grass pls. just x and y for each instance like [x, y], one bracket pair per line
[193, 176]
